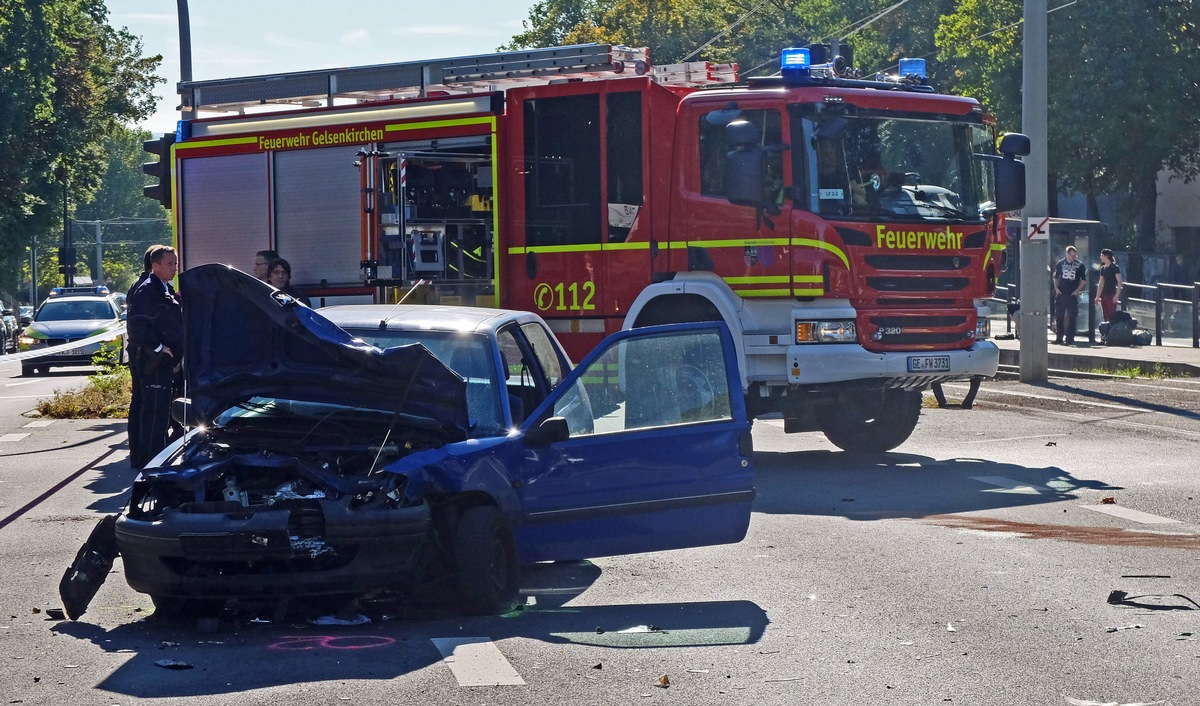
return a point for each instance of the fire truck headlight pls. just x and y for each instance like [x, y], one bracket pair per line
[983, 328]
[826, 332]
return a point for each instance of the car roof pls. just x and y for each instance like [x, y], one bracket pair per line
[429, 317]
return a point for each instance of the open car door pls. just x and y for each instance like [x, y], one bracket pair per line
[644, 447]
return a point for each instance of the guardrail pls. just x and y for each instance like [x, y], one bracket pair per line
[1171, 312]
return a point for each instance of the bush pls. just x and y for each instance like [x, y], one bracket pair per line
[105, 396]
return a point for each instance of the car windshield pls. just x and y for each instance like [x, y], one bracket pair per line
[67, 310]
[468, 354]
[901, 169]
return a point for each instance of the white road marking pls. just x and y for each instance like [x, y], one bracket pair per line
[12, 437]
[1008, 485]
[39, 423]
[1134, 515]
[18, 384]
[476, 661]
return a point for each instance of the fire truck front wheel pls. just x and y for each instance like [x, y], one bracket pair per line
[872, 422]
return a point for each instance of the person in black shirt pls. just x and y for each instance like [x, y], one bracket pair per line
[1070, 277]
[155, 330]
[1110, 284]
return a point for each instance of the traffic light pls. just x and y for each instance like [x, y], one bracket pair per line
[66, 261]
[160, 170]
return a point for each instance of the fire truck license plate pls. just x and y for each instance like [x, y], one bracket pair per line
[928, 363]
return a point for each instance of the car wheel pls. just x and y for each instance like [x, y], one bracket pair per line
[872, 422]
[485, 562]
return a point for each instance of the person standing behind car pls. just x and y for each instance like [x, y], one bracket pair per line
[279, 276]
[1069, 280]
[155, 329]
[262, 263]
[1110, 284]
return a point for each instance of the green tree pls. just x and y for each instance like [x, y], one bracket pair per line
[129, 222]
[68, 81]
[1123, 82]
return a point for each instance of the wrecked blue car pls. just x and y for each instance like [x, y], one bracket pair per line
[321, 465]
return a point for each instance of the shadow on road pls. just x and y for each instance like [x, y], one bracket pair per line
[257, 656]
[902, 485]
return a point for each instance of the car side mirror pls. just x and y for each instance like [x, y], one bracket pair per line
[25, 321]
[551, 430]
[183, 412]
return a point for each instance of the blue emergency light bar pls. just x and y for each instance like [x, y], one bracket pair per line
[912, 68]
[795, 62]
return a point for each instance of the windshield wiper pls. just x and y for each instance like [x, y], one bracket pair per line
[948, 210]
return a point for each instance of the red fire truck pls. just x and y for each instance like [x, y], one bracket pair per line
[846, 229]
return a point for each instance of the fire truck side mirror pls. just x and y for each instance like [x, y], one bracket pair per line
[1014, 144]
[1010, 174]
[159, 170]
[745, 166]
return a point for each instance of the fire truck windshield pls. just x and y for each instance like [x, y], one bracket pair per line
[871, 168]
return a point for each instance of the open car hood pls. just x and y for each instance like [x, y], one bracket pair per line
[247, 339]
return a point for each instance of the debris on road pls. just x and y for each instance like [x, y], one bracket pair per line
[663, 682]
[173, 664]
[1119, 628]
[1108, 501]
[358, 619]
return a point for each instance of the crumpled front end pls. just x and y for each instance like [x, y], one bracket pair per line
[225, 522]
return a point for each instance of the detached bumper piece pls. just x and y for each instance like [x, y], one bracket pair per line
[87, 573]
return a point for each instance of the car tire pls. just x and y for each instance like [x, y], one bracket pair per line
[873, 422]
[486, 568]
[28, 371]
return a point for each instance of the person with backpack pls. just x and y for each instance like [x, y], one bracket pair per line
[1070, 277]
[1110, 284]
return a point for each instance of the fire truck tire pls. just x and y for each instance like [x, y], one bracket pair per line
[872, 422]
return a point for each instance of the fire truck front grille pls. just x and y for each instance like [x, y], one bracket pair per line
[921, 339]
[916, 330]
[918, 284]
[918, 262]
[918, 321]
[908, 303]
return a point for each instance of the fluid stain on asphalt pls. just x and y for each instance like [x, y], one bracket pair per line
[1103, 536]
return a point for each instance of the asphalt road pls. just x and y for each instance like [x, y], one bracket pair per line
[972, 566]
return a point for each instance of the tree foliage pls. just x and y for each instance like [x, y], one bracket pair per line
[1120, 76]
[69, 81]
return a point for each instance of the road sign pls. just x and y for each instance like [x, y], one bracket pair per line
[1037, 228]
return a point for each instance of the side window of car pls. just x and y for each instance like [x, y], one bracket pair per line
[545, 352]
[642, 383]
[524, 392]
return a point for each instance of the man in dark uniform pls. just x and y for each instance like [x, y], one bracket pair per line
[155, 329]
[1070, 277]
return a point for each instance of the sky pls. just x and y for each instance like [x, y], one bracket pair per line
[255, 37]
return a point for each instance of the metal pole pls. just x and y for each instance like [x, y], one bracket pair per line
[68, 275]
[185, 54]
[33, 271]
[98, 275]
[1035, 282]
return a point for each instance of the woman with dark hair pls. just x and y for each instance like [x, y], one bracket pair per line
[279, 276]
[1110, 284]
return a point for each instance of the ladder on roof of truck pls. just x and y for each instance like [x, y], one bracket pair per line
[466, 74]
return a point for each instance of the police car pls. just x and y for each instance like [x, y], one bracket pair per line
[68, 315]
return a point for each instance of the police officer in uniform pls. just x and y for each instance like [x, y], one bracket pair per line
[155, 330]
